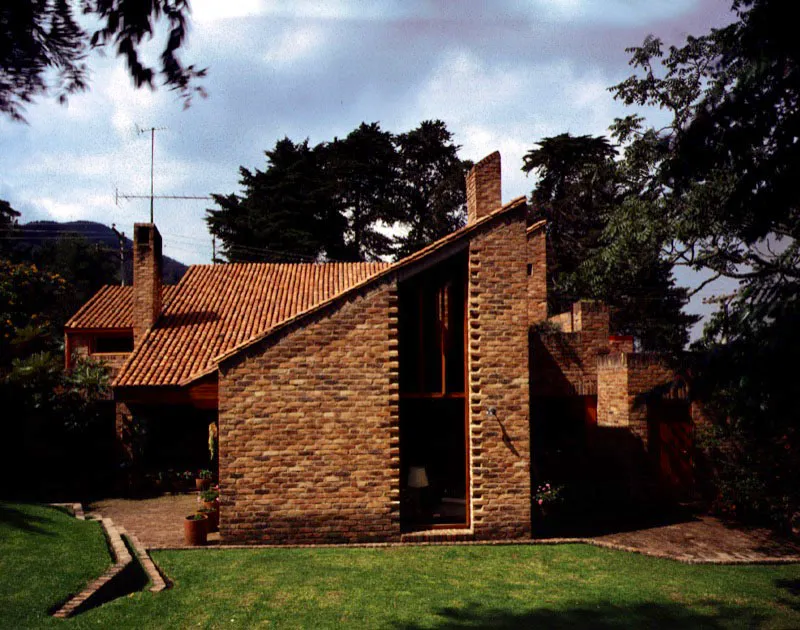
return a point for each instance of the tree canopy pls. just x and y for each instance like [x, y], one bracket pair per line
[339, 200]
[580, 186]
[717, 193]
[44, 48]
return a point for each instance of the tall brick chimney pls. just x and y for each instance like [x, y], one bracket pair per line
[146, 278]
[483, 188]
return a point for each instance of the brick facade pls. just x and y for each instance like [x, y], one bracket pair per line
[147, 265]
[565, 361]
[537, 273]
[498, 381]
[308, 429]
[484, 188]
[624, 382]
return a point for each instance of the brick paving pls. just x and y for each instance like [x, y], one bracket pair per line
[158, 523]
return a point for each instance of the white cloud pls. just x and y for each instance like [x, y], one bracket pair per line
[294, 45]
[509, 108]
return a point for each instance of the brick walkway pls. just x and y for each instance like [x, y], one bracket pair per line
[158, 523]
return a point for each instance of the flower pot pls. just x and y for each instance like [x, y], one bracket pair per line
[211, 510]
[195, 529]
[202, 484]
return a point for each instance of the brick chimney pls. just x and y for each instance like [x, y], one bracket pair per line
[483, 188]
[146, 278]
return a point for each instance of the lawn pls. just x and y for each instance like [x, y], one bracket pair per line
[427, 587]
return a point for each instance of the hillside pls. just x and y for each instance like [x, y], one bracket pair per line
[43, 232]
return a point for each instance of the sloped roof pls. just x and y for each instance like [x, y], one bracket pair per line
[110, 307]
[216, 307]
[219, 310]
[400, 264]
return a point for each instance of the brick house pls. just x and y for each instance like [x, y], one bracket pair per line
[358, 401]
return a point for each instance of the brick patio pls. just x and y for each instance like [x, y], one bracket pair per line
[158, 523]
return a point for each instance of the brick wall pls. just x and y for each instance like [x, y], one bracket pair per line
[498, 379]
[484, 188]
[565, 363]
[308, 429]
[146, 278]
[624, 383]
[82, 345]
[537, 274]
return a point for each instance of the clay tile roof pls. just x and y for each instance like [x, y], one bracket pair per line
[421, 254]
[110, 307]
[217, 307]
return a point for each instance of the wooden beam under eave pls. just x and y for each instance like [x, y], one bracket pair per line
[202, 394]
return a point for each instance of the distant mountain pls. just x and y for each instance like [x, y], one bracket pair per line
[42, 232]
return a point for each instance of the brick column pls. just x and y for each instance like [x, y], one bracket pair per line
[498, 381]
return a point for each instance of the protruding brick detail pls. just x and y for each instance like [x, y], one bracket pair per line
[498, 381]
[537, 273]
[146, 278]
[484, 188]
[309, 429]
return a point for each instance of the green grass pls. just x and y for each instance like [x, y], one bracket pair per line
[570, 586]
[46, 555]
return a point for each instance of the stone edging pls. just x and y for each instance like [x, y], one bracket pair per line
[722, 559]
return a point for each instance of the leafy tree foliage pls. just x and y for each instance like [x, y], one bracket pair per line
[283, 212]
[338, 199]
[43, 47]
[432, 193]
[718, 193]
[580, 186]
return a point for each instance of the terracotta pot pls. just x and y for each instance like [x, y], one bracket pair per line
[213, 519]
[202, 484]
[195, 530]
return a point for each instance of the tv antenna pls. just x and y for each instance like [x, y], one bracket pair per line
[152, 196]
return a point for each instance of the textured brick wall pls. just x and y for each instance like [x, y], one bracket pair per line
[81, 345]
[624, 383]
[565, 363]
[612, 392]
[498, 378]
[146, 278]
[484, 188]
[308, 429]
[537, 275]
[620, 344]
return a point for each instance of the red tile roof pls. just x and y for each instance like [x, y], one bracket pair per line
[451, 238]
[217, 307]
[110, 307]
[218, 310]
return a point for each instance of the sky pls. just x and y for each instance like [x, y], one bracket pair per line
[501, 75]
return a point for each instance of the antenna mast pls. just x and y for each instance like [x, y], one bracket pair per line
[152, 131]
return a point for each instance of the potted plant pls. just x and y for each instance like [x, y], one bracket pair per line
[209, 499]
[213, 518]
[203, 480]
[195, 529]
[546, 500]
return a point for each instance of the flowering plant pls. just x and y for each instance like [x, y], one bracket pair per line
[547, 494]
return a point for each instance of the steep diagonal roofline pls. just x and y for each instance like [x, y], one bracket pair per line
[400, 264]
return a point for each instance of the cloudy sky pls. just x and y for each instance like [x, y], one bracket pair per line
[502, 74]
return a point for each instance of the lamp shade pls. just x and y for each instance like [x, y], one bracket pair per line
[417, 477]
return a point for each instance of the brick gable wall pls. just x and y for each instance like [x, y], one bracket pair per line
[308, 429]
[498, 379]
